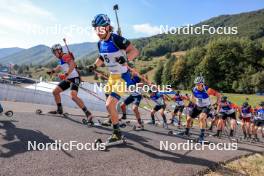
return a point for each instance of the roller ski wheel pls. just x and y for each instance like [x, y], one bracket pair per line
[86, 122]
[197, 140]
[109, 143]
[9, 113]
[122, 125]
[65, 114]
[38, 111]
[138, 128]
[170, 132]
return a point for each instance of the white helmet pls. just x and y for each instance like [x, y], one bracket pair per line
[199, 80]
[56, 47]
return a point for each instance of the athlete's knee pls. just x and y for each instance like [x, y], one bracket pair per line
[55, 92]
[189, 119]
[135, 109]
[203, 116]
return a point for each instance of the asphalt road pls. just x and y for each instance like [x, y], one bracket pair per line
[141, 155]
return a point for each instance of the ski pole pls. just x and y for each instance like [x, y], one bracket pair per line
[64, 40]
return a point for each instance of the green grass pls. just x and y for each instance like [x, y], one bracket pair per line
[239, 99]
[251, 165]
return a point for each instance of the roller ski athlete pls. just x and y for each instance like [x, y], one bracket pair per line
[246, 115]
[160, 106]
[179, 106]
[114, 52]
[135, 98]
[70, 78]
[258, 121]
[201, 107]
[226, 110]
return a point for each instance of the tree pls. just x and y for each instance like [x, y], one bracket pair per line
[158, 74]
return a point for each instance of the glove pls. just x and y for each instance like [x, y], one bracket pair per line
[92, 68]
[62, 76]
[121, 60]
[50, 72]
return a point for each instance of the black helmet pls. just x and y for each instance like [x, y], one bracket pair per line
[223, 98]
[245, 104]
[261, 103]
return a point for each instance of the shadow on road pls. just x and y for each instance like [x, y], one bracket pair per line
[16, 139]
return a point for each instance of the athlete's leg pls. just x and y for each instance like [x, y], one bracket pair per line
[233, 124]
[123, 108]
[56, 93]
[188, 124]
[111, 103]
[163, 115]
[202, 125]
[248, 129]
[180, 118]
[152, 114]
[243, 126]
[79, 102]
[173, 114]
[137, 114]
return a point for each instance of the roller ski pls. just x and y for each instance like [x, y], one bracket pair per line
[53, 113]
[179, 133]
[91, 123]
[106, 123]
[8, 113]
[115, 139]
[138, 127]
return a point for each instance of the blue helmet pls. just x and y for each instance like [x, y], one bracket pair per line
[101, 20]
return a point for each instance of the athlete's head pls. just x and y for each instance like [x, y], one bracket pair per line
[177, 93]
[56, 49]
[101, 24]
[223, 99]
[199, 81]
[245, 104]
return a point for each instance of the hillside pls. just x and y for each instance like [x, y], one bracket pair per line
[9, 51]
[250, 25]
[41, 54]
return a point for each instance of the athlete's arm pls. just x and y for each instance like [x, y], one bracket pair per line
[56, 69]
[71, 67]
[69, 60]
[99, 61]
[214, 93]
[131, 52]
[126, 45]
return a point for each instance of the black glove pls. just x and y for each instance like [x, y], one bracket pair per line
[50, 72]
[121, 60]
[92, 68]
